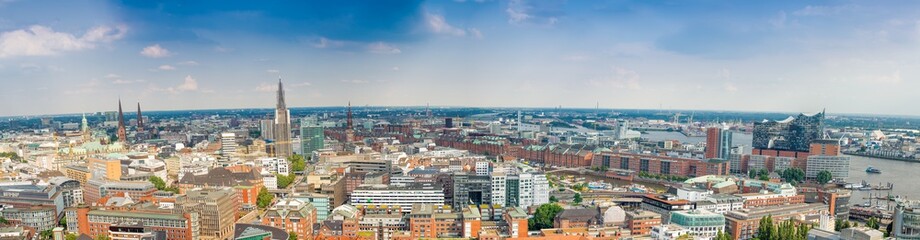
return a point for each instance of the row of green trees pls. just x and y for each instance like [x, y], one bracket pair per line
[759, 174]
[786, 230]
[793, 175]
[672, 178]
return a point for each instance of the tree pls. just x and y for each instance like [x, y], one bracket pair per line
[70, 236]
[793, 175]
[4, 221]
[158, 182]
[47, 234]
[872, 223]
[553, 199]
[264, 198]
[284, 180]
[766, 230]
[722, 236]
[543, 217]
[292, 235]
[298, 164]
[685, 237]
[103, 237]
[577, 199]
[824, 177]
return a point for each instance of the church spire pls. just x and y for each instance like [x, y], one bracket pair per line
[122, 133]
[282, 128]
[349, 130]
[349, 121]
[281, 104]
[140, 119]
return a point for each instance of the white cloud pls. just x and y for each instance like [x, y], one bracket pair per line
[730, 87]
[542, 12]
[893, 78]
[516, 12]
[266, 87]
[39, 40]
[355, 81]
[395, 68]
[188, 63]
[122, 81]
[166, 68]
[437, 24]
[302, 84]
[112, 76]
[779, 21]
[382, 48]
[475, 33]
[576, 58]
[273, 71]
[105, 33]
[222, 49]
[823, 10]
[323, 42]
[189, 84]
[155, 51]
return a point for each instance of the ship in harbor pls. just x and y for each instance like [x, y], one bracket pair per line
[871, 169]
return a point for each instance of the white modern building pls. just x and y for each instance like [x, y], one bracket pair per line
[403, 196]
[276, 165]
[838, 166]
[520, 190]
[482, 168]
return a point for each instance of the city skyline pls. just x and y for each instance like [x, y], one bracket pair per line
[765, 57]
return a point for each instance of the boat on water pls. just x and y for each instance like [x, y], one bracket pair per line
[871, 169]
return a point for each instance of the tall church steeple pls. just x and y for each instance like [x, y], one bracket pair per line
[283, 147]
[140, 119]
[349, 128]
[122, 133]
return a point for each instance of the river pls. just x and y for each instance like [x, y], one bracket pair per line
[899, 173]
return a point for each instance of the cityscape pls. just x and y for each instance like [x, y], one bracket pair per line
[355, 143]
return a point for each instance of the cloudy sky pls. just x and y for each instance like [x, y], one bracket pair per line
[790, 56]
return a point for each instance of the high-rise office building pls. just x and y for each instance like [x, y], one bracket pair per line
[228, 144]
[267, 128]
[519, 190]
[718, 143]
[791, 134]
[282, 129]
[311, 136]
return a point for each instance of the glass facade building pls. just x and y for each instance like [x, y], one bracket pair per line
[791, 134]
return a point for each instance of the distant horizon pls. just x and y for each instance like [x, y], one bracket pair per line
[683, 111]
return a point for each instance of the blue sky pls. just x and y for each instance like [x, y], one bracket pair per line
[790, 56]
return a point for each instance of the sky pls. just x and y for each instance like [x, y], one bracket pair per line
[59, 57]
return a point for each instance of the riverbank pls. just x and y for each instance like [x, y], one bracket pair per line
[882, 157]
